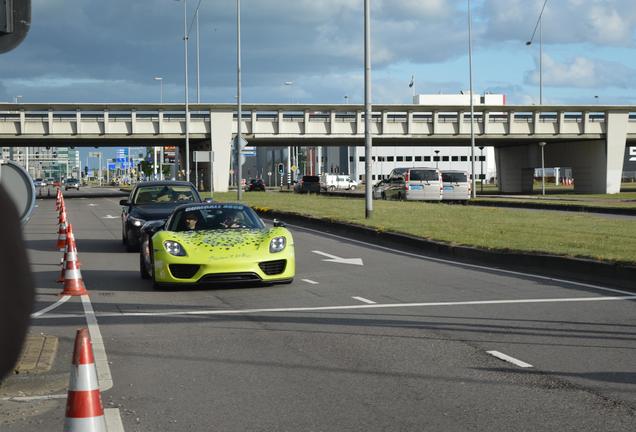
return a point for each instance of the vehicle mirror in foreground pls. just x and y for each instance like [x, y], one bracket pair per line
[153, 227]
[209, 200]
[123, 202]
[278, 223]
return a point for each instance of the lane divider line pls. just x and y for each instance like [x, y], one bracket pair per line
[113, 420]
[33, 398]
[507, 358]
[51, 307]
[348, 307]
[309, 281]
[474, 266]
[101, 360]
[363, 300]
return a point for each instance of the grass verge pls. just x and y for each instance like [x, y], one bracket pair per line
[503, 229]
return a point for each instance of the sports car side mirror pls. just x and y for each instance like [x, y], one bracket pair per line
[278, 223]
[153, 227]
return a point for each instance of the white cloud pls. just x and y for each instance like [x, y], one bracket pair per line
[582, 72]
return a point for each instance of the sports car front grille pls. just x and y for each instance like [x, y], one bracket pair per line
[230, 277]
[184, 271]
[273, 267]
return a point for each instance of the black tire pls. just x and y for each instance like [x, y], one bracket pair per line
[143, 271]
[331, 188]
[352, 188]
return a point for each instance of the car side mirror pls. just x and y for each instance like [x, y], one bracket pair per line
[209, 200]
[123, 202]
[153, 227]
[278, 223]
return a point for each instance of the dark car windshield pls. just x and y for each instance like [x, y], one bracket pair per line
[215, 217]
[72, 181]
[164, 194]
[457, 177]
[423, 175]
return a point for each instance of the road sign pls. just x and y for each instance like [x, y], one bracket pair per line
[111, 166]
[201, 156]
[294, 168]
[243, 142]
[94, 154]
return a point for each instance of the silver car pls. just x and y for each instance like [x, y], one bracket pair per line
[457, 186]
[415, 184]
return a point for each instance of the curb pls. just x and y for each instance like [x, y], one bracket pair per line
[509, 204]
[576, 269]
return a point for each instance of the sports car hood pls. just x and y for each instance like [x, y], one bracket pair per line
[225, 243]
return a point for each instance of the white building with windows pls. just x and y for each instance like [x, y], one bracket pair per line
[45, 162]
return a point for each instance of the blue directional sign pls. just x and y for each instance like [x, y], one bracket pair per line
[111, 166]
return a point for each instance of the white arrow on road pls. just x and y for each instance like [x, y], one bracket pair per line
[333, 258]
[110, 217]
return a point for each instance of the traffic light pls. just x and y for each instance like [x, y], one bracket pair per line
[281, 169]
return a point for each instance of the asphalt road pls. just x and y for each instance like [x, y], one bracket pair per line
[399, 343]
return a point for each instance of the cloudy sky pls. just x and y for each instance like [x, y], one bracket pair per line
[109, 51]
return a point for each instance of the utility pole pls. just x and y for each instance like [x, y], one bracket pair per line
[368, 144]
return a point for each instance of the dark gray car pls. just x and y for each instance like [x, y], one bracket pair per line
[151, 201]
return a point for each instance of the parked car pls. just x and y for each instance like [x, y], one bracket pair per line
[415, 184]
[308, 184]
[216, 243]
[379, 187]
[152, 201]
[332, 182]
[71, 183]
[457, 186]
[38, 182]
[255, 185]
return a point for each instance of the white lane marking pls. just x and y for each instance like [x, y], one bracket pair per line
[113, 420]
[363, 300]
[109, 217]
[92, 205]
[33, 398]
[336, 259]
[309, 281]
[51, 307]
[99, 352]
[475, 266]
[365, 306]
[509, 359]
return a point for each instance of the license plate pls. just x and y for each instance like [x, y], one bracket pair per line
[416, 187]
[449, 188]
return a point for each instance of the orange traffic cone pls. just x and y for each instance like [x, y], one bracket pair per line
[61, 231]
[73, 283]
[58, 198]
[70, 252]
[84, 409]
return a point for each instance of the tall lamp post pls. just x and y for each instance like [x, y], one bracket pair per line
[368, 143]
[539, 26]
[239, 107]
[156, 149]
[472, 106]
[542, 145]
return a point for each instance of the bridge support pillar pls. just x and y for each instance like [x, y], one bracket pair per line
[220, 139]
[515, 169]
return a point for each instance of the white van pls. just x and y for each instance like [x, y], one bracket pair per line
[457, 186]
[414, 184]
[332, 182]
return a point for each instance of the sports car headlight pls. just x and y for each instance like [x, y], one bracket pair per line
[174, 248]
[136, 222]
[277, 244]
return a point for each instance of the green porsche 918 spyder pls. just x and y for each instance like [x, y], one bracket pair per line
[222, 243]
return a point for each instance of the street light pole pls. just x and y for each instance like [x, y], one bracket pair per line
[187, 108]
[239, 107]
[156, 149]
[368, 144]
[542, 145]
[539, 26]
[198, 76]
[481, 169]
[472, 106]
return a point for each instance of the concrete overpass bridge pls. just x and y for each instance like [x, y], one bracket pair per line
[591, 139]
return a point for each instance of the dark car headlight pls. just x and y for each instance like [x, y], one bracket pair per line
[136, 221]
[174, 248]
[277, 244]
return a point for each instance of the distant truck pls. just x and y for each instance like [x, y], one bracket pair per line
[332, 182]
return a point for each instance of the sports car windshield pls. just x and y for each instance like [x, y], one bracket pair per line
[215, 217]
